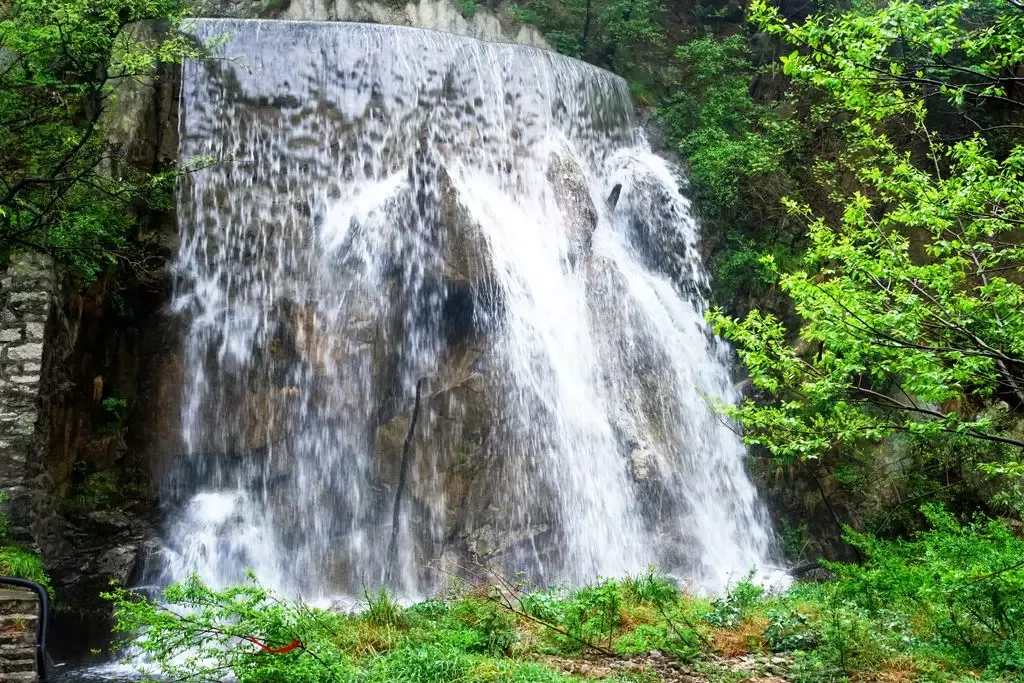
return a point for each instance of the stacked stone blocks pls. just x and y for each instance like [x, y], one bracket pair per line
[26, 290]
[19, 612]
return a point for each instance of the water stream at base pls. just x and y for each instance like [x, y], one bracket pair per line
[410, 247]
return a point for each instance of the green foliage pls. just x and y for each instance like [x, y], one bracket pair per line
[116, 407]
[22, 564]
[790, 630]
[381, 609]
[910, 296]
[101, 490]
[644, 638]
[64, 62]
[730, 610]
[623, 35]
[963, 583]
[742, 270]
[888, 61]
[728, 139]
[473, 635]
[794, 540]
[216, 628]
[17, 562]
[650, 587]
[467, 7]
[427, 645]
[586, 615]
[1009, 475]
[743, 155]
[493, 628]
[424, 664]
[943, 607]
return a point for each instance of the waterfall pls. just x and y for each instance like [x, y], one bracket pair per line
[443, 306]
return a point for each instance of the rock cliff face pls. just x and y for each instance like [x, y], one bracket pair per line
[397, 299]
[96, 379]
[91, 381]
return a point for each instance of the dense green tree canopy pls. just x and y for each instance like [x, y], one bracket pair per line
[910, 298]
[62, 188]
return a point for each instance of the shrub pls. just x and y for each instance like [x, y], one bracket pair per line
[651, 587]
[219, 630]
[492, 626]
[963, 583]
[790, 629]
[729, 611]
[643, 638]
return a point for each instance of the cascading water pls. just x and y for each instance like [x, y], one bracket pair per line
[443, 305]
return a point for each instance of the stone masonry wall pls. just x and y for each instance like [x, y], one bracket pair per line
[27, 289]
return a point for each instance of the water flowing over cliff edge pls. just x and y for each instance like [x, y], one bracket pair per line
[443, 305]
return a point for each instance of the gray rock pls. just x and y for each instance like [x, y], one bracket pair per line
[574, 201]
[642, 463]
[26, 352]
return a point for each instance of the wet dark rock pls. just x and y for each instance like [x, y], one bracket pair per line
[103, 547]
[572, 195]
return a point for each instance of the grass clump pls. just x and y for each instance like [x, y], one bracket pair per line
[22, 564]
[17, 562]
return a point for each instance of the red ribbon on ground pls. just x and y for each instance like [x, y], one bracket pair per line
[273, 650]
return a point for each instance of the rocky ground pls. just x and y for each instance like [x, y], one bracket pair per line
[746, 668]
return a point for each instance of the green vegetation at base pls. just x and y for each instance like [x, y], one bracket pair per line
[17, 562]
[946, 606]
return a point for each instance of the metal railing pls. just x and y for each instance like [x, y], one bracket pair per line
[41, 623]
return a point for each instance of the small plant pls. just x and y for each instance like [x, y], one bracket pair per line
[17, 562]
[522, 14]
[228, 626]
[652, 588]
[642, 639]
[115, 408]
[729, 611]
[467, 7]
[423, 664]
[592, 613]
[790, 630]
[493, 627]
[96, 491]
[381, 609]
[794, 540]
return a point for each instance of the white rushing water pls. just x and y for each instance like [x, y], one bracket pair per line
[426, 254]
